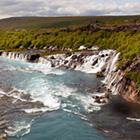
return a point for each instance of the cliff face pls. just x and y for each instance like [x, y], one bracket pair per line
[120, 84]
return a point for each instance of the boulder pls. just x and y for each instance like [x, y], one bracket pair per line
[82, 48]
[34, 57]
[99, 74]
[74, 57]
[95, 62]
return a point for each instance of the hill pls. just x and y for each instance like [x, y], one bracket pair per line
[60, 22]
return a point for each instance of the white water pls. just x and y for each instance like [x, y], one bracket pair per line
[19, 128]
[133, 119]
[15, 56]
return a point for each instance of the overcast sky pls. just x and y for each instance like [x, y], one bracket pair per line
[10, 8]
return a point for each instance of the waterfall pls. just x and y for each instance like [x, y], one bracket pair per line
[15, 56]
[90, 62]
[113, 77]
[111, 66]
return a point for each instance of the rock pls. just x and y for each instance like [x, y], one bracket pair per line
[99, 74]
[21, 47]
[34, 57]
[52, 65]
[34, 47]
[45, 48]
[95, 62]
[2, 138]
[94, 48]
[52, 57]
[1, 53]
[98, 101]
[103, 55]
[68, 54]
[65, 62]
[74, 57]
[82, 48]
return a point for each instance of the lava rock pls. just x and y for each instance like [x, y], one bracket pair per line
[34, 57]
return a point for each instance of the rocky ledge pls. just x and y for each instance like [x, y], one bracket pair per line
[120, 84]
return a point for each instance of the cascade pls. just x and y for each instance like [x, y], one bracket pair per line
[15, 56]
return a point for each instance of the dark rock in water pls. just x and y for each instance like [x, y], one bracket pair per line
[103, 55]
[34, 57]
[95, 62]
[97, 97]
[81, 55]
[98, 100]
[74, 57]
[1, 53]
[68, 54]
[80, 60]
[52, 57]
[74, 66]
[66, 61]
[52, 65]
[101, 99]
[99, 74]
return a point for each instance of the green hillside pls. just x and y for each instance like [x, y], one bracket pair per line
[59, 22]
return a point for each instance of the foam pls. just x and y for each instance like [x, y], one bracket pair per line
[19, 129]
[88, 103]
[87, 65]
[46, 69]
[133, 119]
[2, 93]
[83, 117]
[37, 110]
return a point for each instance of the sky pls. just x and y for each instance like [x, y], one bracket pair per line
[16, 8]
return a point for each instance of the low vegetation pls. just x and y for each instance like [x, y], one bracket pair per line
[134, 76]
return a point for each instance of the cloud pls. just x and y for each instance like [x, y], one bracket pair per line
[10, 8]
[132, 8]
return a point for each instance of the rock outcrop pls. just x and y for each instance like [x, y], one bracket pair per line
[119, 84]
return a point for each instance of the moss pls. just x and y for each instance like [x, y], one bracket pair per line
[99, 74]
[134, 76]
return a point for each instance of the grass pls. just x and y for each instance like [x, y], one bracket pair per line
[134, 76]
